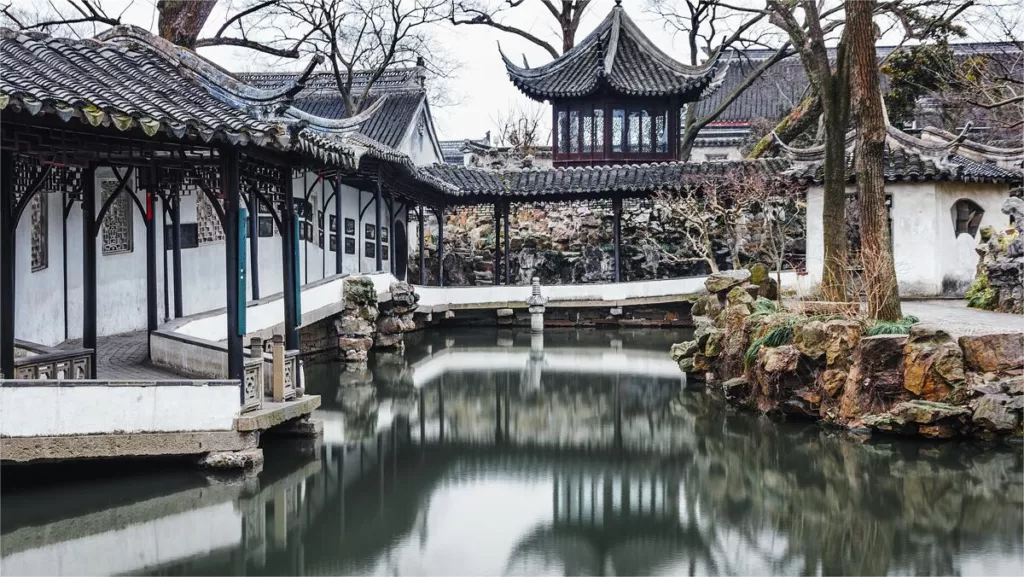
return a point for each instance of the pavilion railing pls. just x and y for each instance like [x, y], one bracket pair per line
[252, 383]
[46, 363]
[280, 368]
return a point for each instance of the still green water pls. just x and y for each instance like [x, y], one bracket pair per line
[484, 452]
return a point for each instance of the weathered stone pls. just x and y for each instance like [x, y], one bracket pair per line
[934, 364]
[706, 305]
[885, 422]
[760, 275]
[992, 414]
[735, 341]
[245, 459]
[739, 296]
[355, 343]
[389, 325]
[1014, 385]
[700, 363]
[986, 389]
[725, 280]
[832, 381]
[810, 339]
[683, 350]
[782, 359]
[713, 346]
[936, 431]
[843, 337]
[736, 389]
[998, 352]
[359, 291]
[353, 326]
[875, 379]
[704, 330]
[503, 313]
[686, 365]
[928, 412]
[388, 340]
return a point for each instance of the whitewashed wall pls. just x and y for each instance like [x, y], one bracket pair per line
[929, 259]
[104, 408]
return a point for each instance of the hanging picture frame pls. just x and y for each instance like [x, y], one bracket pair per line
[370, 250]
[334, 243]
[333, 223]
[350, 245]
[370, 233]
[266, 224]
[350, 226]
[384, 234]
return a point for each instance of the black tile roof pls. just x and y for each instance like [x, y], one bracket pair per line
[400, 87]
[451, 151]
[910, 159]
[475, 184]
[618, 57]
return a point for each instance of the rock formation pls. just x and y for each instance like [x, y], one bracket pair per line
[999, 283]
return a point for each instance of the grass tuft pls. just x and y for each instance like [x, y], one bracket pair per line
[776, 337]
[900, 327]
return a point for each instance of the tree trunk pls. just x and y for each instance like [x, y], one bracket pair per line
[876, 248]
[833, 215]
[792, 125]
[181, 21]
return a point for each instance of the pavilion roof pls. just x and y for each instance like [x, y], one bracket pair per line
[618, 57]
[541, 184]
[937, 156]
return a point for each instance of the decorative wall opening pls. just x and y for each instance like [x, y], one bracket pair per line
[967, 216]
[118, 234]
[210, 230]
[40, 232]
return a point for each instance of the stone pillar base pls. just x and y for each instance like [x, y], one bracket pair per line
[302, 427]
[245, 459]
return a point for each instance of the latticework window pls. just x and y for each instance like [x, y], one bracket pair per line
[117, 224]
[40, 232]
[210, 230]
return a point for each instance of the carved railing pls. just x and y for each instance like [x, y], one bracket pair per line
[252, 382]
[281, 368]
[48, 363]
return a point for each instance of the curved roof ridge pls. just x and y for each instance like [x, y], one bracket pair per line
[658, 54]
[293, 113]
[562, 61]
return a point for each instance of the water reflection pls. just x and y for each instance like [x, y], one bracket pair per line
[484, 469]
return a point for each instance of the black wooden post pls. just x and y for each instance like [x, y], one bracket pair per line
[176, 252]
[233, 264]
[151, 224]
[254, 243]
[423, 251]
[617, 235]
[497, 243]
[440, 246]
[7, 235]
[339, 253]
[164, 215]
[377, 201]
[508, 268]
[288, 258]
[89, 264]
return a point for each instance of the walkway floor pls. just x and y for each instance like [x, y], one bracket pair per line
[954, 317]
[124, 357]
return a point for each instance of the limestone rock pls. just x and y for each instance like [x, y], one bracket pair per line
[992, 413]
[843, 337]
[683, 350]
[245, 459]
[761, 276]
[875, 379]
[706, 305]
[713, 346]
[700, 363]
[928, 412]
[740, 296]
[725, 280]
[782, 359]
[934, 364]
[359, 291]
[736, 389]
[352, 326]
[832, 381]
[1000, 352]
[686, 365]
[735, 341]
[811, 339]
[1014, 385]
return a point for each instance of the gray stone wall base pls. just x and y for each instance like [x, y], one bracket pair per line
[247, 459]
[274, 414]
[29, 449]
[301, 427]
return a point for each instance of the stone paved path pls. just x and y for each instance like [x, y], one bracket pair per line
[124, 357]
[955, 318]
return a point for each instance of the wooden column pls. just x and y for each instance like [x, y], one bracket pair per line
[339, 251]
[423, 256]
[440, 246]
[7, 235]
[617, 236]
[497, 243]
[378, 200]
[176, 254]
[508, 268]
[89, 264]
[151, 225]
[254, 243]
[234, 266]
[288, 261]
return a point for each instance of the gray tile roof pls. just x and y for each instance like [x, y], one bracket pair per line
[479, 185]
[451, 150]
[129, 79]
[619, 57]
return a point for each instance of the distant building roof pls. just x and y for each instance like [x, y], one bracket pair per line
[401, 89]
[619, 58]
[451, 151]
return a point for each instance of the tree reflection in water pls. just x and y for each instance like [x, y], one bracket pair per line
[475, 458]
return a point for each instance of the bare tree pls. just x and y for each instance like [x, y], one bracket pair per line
[777, 219]
[364, 36]
[521, 128]
[495, 13]
[179, 21]
[717, 28]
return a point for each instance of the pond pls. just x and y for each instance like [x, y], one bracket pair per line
[487, 452]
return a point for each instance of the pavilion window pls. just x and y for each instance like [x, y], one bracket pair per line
[209, 229]
[618, 129]
[588, 133]
[599, 129]
[574, 131]
[661, 132]
[562, 131]
[40, 232]
[645, 131]
[633, 129]
[117, 225]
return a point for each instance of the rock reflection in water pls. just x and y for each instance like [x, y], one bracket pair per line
[464, 461]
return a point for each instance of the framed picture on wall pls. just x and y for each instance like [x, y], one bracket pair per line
[350, 245]
[334, 223]
[266, 224]
[334, 242]
[320, 239]
[384, 253]
[350, 226]
[370, 233]
[320, 218]
[384, 234]
[370, 250]
[302, 231]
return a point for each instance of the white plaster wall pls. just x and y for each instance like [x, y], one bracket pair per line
[120, 278]
[33, 411]
[815, 247]
[420, 145]
[703, 153]
[140, 546]
[958, 259]
[914, 236]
